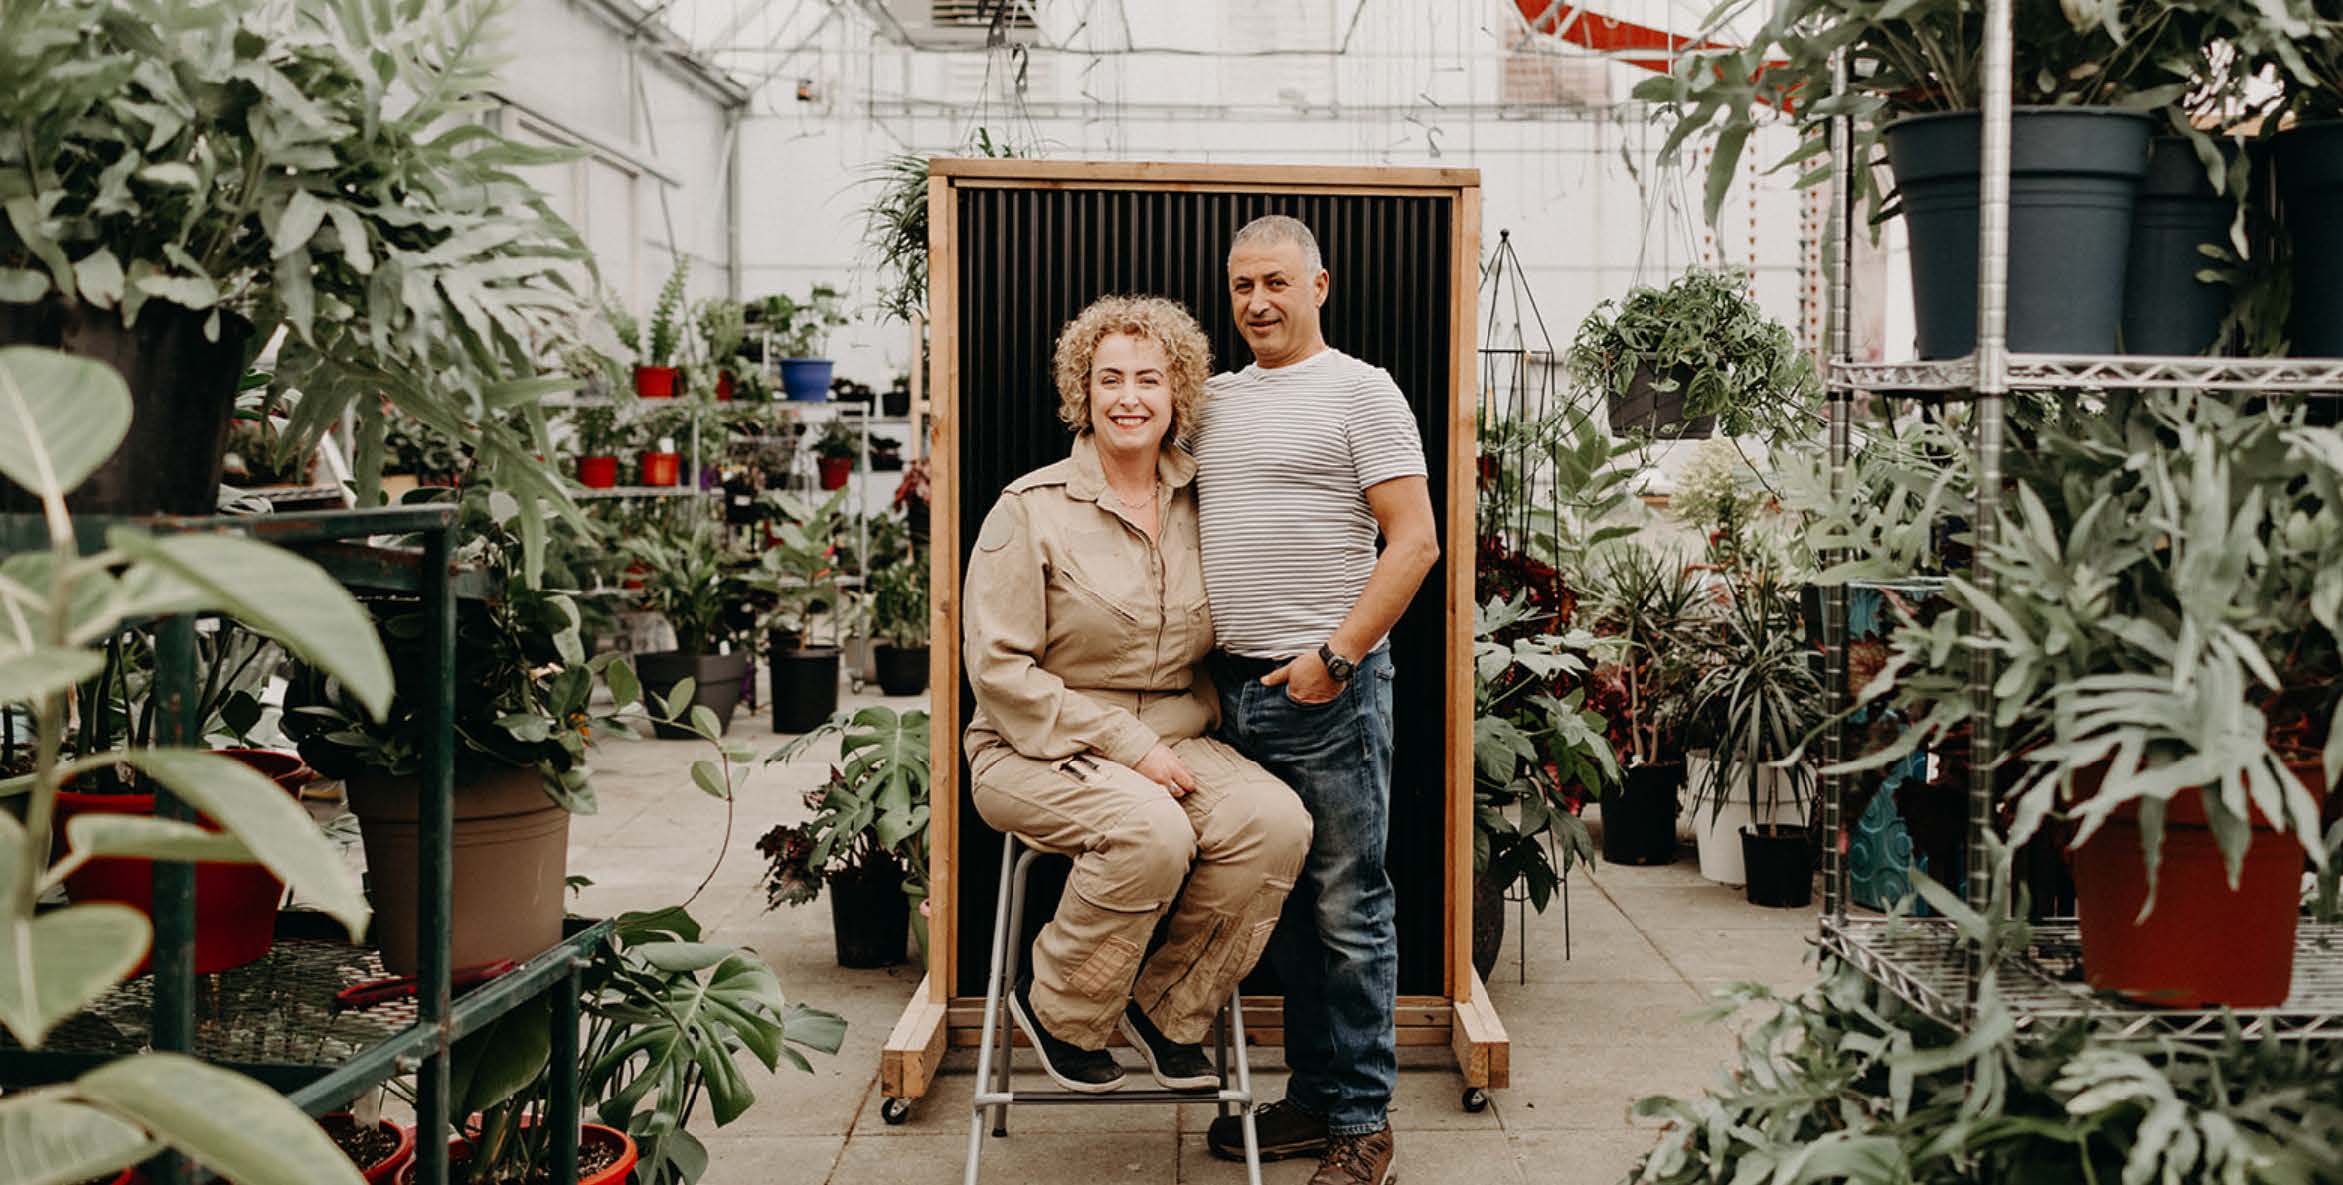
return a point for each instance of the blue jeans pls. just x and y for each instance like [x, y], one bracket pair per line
[1336, 949]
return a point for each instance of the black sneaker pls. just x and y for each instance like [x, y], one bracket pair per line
[1284, 1130]
[1089, 1071]
[1175, 1066]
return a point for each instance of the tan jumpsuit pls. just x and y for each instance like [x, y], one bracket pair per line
[1083, 639]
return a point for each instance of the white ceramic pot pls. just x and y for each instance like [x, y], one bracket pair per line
[1717, 832]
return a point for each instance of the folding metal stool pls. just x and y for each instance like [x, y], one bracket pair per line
[993, 1051]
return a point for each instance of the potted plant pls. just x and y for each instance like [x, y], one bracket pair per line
[895, 401]
[2306, 54]
[1645, 602]
[2171, 677]
[723, 326]
[867, 839]
[658, 374]
[1674, 361]
[60, 961]
[2087, 79]
[886, 454]
[173, 247]
[798, 574]
[1537, 756]
[1765, 695]
[689, 579]
[523, 716]
[899, 612]
[597, 439]
[835, 452]
[800, 329]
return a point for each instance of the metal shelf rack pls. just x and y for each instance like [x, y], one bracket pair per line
[258, 1017]
[1926, 962]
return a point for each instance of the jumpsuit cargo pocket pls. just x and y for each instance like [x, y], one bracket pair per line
[1107, 970]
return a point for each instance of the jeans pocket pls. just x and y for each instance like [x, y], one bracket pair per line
[1286, 692]
[1107, 971]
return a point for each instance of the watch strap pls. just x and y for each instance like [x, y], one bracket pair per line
[1336, 665]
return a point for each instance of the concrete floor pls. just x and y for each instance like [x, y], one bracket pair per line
[1591, 1033]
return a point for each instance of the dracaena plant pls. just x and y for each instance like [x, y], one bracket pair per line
[311, 166]
[1763, 693]
[2165, 603]
[1647, 605]
[64, 417]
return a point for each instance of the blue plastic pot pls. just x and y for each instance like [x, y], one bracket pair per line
[806, 379]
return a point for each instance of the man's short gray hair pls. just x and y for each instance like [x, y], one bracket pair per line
[1278, 228]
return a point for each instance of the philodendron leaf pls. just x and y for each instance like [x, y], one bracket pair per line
[45, 1140]
[60, 418]
[29, 676]
[154, 839]
[53, 965]
[280, 593]
[239, 1129]
[259, 812]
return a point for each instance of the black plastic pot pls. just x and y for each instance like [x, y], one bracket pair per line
[719, 679]
[2310, 191]
[902, 669]
[803, 685]
[869, 916]
[1780, 862]
[1655, 413]
[1639, 819]
[2166, 308]
[182, 396]
[2074, 176]
[895, 404]
[1488, 924]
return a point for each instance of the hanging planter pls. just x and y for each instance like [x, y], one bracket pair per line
[2204, 944]
[2166, 308]
[1674, 363]
[2074, 177]
[2310, 188]
[235, 904]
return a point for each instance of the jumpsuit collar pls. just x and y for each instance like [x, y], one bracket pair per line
[1173, 466]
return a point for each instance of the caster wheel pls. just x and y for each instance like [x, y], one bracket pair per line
[896, 1112]
[1476, 1099]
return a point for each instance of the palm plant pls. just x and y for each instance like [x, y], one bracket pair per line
[1764, 695]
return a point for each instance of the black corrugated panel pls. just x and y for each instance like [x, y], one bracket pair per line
[1031, 259]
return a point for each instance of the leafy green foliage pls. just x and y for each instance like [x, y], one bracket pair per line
[690, 579]
[873, 809]
[1703, 333]
[1535, 754]
[894, 225]
[1647, 608]
[1763, 691]
[899, 600]
[666, 324]
[799, 572]
[801, 328]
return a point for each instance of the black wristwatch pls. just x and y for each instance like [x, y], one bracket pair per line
[1336, 665]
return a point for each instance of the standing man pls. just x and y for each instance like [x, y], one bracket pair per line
[1303, 458]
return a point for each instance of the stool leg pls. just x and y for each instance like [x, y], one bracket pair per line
[1236, 1016]
[993, 1010]
[1015, 943]
[1220, 1045]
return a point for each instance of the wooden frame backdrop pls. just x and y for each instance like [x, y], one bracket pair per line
[1440, 208]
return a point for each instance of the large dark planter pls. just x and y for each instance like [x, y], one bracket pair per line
[2074, 175]
[1488, 924]
[2204, 944]
[2166, 308]
[869, 916]
[1639, 819]
[182, 396]
[1780, 863]
[719, 679]
[803, 685]
[1656, 413]
[902, 669]
[2310, 190]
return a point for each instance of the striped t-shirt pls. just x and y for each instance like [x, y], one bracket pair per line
[1284, 459]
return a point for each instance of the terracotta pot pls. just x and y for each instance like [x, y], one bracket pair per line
[389, 1166]
[657, 382]
[458, 1151]
[511, 857]
[835, 471]
[598, 473]
[235, 904]
[2204, 944]
[662, 469]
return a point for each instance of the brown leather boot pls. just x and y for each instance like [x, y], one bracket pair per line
[1357, 1160]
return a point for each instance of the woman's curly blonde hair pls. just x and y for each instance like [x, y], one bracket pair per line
[1156, 319]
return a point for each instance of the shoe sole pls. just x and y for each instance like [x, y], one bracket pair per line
[1270, 1152]
[1147, 1054]
[1032, 1033]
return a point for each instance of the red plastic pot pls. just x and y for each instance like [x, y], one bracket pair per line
[389, 1166]
[460, 1150]
[2205, 944]
[834, 471]
[598, 473]
[662, 469]
[235, 904]
[657, 382]
[723, 385]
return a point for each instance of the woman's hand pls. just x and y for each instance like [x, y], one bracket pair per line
[1165, 770]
